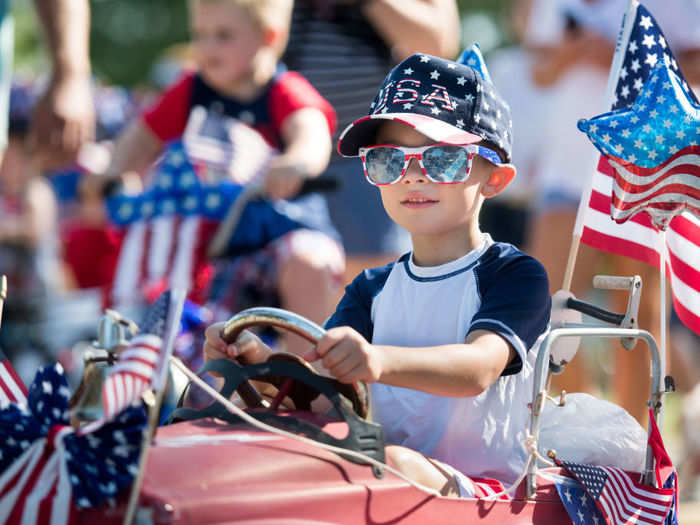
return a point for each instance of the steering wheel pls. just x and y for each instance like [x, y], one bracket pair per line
[269, 317]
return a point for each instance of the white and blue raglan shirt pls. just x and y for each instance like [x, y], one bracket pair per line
[495, 287]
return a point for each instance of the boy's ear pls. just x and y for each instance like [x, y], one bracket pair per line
[272, 36]
[499, 178]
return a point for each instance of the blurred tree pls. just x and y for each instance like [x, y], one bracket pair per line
[128, 36]
[29, 56]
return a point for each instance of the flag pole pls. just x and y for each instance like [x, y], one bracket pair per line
[618, 58]
[3, 293]
[154, 398]
[663, 317]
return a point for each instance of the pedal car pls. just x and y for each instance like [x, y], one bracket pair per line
[270, 465]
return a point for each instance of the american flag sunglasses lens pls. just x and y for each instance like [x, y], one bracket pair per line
[443, 164]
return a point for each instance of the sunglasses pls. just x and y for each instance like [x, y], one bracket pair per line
[442, 163]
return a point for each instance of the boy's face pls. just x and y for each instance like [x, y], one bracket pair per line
[424, 207]
[226, 42]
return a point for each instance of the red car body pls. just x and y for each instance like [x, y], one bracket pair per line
[211, 472]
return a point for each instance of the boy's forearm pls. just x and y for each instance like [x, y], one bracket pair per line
[307, 142]
[67, 27]
[456, 370]
[135, 150]
[413, 26]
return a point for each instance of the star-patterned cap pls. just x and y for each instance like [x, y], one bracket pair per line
[451, 102]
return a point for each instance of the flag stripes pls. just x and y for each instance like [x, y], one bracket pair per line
[12, 389]
[132, 375]
[637, 238]
[662, 188]
[621, 499]
[489, 487]
[626, 502]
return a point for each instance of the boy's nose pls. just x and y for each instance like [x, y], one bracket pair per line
[414, 173]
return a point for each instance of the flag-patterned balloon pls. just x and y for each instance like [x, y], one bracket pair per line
[134, 372]
[651, 136]
[641, 45]
[47, 469]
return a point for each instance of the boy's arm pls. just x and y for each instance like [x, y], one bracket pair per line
[412, 26]
[136, 149]
[37, 219]
[455, 370]
[514, 292]
[142, 141]
[307, 149]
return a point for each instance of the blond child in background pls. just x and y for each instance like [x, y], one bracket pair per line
[237, 45]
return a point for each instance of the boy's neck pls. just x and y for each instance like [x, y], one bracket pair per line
[435, 250]
[249, 87]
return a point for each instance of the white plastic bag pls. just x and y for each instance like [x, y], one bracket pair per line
[592, 431]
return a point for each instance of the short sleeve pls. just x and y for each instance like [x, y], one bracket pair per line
[515, 301]
[167, 117]
[293, 92]
[355, 308]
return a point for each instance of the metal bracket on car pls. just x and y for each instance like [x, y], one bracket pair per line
[113, 331]
[634, 286]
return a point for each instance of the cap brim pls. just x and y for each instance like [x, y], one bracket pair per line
[363, 131]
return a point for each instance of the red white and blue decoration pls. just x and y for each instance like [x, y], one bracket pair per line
[134, 372]
[651, 136]
[169, 227]
[454, 102]
[12, 389]
[48, 470]
[612, 496]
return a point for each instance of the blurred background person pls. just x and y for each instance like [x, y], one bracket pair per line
[28, 240]
[346, 48]
[240, 84]
[507, 216]
[64, 116]
[571, 62]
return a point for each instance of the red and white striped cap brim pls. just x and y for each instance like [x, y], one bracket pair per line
[363, 131]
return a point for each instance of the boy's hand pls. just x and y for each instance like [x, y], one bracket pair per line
[283, 181]
[348, 356]
[248, 348]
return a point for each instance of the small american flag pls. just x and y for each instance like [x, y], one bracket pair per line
[641, 48]
[134, 373]
[12, 390]
[619, 496]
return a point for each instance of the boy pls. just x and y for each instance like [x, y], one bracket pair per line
[443, 333]
[237, 44]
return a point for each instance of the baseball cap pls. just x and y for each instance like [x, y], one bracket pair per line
[448, 101]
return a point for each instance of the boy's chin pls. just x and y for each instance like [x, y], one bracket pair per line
[221, 81]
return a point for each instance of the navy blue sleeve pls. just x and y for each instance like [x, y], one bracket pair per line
[515, 301]
[355, 308]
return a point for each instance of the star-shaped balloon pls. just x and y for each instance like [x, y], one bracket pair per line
[473, 58]
[652, 146]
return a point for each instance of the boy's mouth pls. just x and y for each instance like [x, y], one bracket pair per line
[418, 201]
